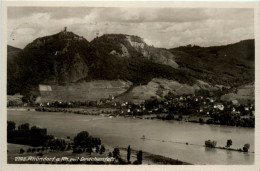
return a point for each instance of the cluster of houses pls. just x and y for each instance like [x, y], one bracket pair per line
[198, 104]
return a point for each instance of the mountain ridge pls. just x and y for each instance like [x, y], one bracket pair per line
[234, 63]
[65, 58]
[62, 58]
[133, 46]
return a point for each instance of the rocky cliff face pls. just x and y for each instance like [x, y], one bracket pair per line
[133, 46]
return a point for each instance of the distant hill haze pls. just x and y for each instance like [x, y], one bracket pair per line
[66, 59]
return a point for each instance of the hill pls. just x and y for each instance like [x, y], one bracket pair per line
[69, 64]
[159, 88]
[65, 58]
[243, 94]
[50, 59]
[82, 91]
[13, 51]
[128, 46]
[12, 68]
[232, 65]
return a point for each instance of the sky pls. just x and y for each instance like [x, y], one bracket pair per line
[160, 27]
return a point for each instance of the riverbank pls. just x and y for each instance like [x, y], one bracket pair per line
[21, 108]
[111, 112]
[82, 111]
[166, 135]
[230, 149]
[156, 159]
[15, 157]
[194, 118]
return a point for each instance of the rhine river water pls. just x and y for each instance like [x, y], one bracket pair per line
[167, 138]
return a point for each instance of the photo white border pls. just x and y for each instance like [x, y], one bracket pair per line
[158, 4]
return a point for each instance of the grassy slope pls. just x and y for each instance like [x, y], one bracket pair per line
[242, 94]
[228, 65]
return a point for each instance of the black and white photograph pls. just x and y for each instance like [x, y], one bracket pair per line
[124, 85]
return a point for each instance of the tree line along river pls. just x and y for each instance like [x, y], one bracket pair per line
[167, 138]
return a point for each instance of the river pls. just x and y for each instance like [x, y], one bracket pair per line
[167, 138]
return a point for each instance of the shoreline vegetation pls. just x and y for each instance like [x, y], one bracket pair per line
[213, 144]
[25, 143]
[148, 158]
[200, 108]
[114, 112]
[231, 149]
[83, 149]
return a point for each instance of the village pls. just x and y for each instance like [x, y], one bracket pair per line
[191, 108]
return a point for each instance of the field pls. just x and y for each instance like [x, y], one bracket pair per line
[148, 159]
[243, 94]
[159, 87]
[84, 91]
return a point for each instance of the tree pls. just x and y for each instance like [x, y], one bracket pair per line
[110, 154]
[10, 125]
[169, 117]
[135, 162]
[116, 152]
[69, 147]
[75, 150]
[21, 151]
[81, 139]
[210, 143]
[128, 154]
[103, 149]
[151, 103]
[24, 126]
[140, 156]
[39, 154]
[246, 147]
[229, 143]
[89, 150]
[80, 151]
[97, 149]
